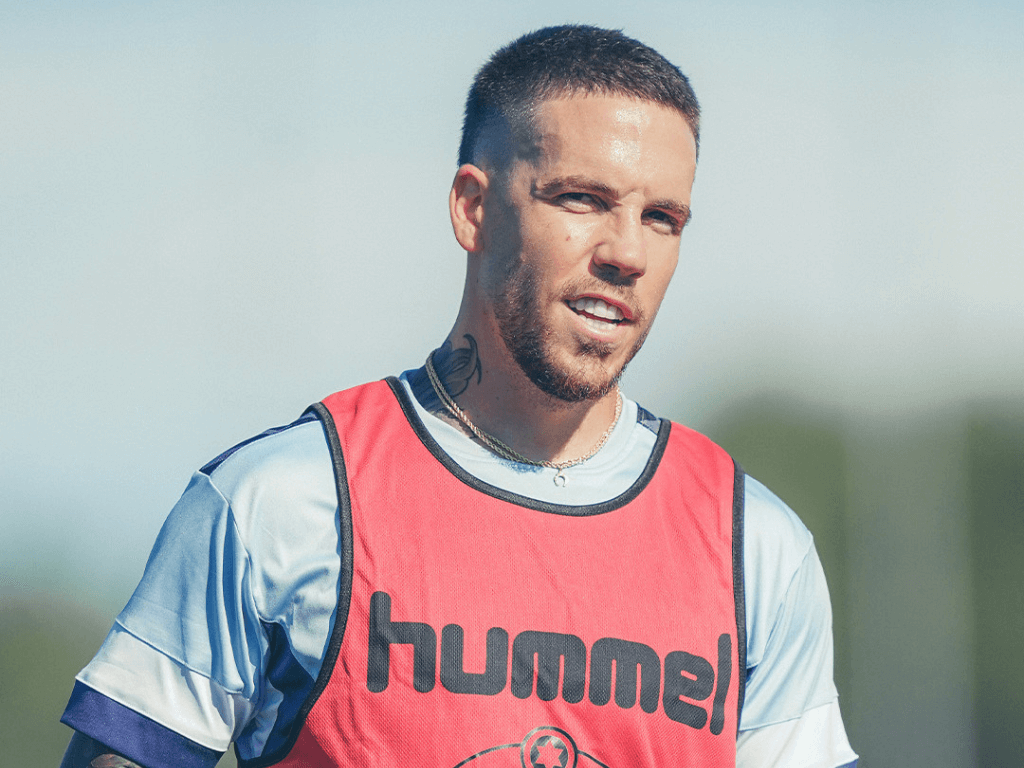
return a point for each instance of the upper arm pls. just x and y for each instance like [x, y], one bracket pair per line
[789, 618]
[177, 674]
[183, 672]
[86, 752]
[815, 739]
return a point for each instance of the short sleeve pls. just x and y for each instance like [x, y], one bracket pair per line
[224, 637]
[791, 705]
[181, 665]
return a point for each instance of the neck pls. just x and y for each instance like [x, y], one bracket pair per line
[499, 399]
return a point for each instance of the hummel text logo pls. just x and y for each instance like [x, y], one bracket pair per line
[679, 683]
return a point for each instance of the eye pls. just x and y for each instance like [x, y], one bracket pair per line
[664, 222]
[579, 202]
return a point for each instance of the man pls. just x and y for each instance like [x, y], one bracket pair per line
[496, 559]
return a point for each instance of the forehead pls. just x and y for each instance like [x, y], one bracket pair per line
[613, 134]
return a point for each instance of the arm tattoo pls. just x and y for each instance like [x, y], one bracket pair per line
[455, 367]
[112, 761]
[86, 752]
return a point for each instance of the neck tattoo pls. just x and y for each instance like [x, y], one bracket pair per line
[505, 451]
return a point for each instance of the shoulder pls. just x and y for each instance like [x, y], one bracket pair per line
[269, 456]
[775, 539]
[253, 536]
[280, 495]
[789, 615]
[273, 481]
[255, 527]
[778, 550]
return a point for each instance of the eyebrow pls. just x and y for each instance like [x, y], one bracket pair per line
[680, 210]
[575, 182]
[592, 185]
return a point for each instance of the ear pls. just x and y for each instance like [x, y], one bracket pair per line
[466, 206]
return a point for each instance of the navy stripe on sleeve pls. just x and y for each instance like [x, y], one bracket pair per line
[212, 465]
[287, 676]
[647, 419]
[132, 734]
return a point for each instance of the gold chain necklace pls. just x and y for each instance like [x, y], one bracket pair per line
[503, 450]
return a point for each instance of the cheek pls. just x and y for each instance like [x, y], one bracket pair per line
[575, 239]
[557, 247]
[579, 230]
[661, 278]
[670, 270]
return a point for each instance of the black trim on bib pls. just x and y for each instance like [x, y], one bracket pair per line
[739, 583]
[477, 484]
[319, 411]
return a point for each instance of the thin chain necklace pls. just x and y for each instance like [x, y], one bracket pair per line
[505, 451]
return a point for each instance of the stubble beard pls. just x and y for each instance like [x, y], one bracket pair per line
[530, 343]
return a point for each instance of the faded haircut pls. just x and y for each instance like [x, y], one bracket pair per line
[566, 61]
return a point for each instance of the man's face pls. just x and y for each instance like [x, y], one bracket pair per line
[582, 237]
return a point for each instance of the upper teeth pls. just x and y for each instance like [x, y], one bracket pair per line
[597, 308]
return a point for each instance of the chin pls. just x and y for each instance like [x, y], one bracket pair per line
[574, 389]
[585, 377]
[560, 362]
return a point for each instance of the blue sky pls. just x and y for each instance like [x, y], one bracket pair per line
[214, 214]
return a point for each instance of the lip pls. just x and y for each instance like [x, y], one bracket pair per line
[627, 313]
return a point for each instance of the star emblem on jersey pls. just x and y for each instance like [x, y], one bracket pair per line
[543, 747]
[548, 752]
[548, 747]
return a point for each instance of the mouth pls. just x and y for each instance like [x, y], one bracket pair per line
[597, 313]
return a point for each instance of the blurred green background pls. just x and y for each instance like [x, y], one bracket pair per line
[215, 213]
[920, 528]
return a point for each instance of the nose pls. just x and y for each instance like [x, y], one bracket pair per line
[621, 256]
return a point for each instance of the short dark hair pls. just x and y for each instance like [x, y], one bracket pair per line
[564, 61]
